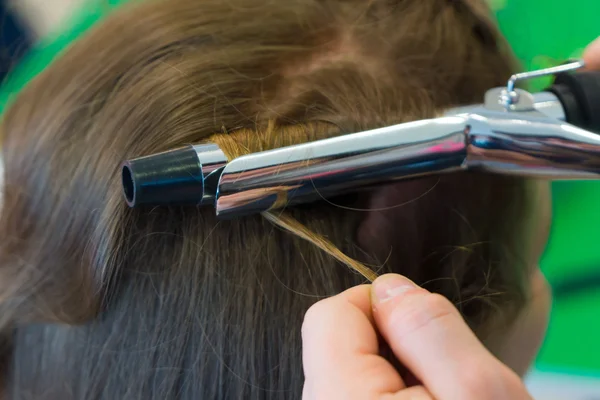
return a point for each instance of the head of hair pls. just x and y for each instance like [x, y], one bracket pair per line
[100, 301]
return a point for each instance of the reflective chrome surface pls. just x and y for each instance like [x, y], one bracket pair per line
[297, 174]
[530, 144]
[525, 143]
[548, 104]
[211, 160]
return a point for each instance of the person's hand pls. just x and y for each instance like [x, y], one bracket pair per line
[591, 56]
[425, 332]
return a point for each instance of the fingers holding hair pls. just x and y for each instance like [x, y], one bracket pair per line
[340, 350]
[428, 336]
[426, 333]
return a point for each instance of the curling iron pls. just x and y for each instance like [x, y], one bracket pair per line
[553, 135]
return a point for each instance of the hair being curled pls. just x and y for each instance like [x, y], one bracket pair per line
[105, 302]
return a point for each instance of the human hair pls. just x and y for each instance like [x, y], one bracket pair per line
[102, 301]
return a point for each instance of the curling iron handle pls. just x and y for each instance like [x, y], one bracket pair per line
[579, 94]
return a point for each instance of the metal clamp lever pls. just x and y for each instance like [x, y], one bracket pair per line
[510, 96]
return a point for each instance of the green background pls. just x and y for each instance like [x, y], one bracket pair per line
[542, 33]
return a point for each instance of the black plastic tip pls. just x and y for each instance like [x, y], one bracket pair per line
[172, 177]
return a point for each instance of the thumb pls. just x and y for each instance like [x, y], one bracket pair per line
[429, 337]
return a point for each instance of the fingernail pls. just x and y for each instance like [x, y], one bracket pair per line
[388, 286]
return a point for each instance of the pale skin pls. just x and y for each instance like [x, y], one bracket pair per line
[426, 333]
[591, 55]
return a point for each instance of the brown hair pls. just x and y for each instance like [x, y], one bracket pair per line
[103, 302]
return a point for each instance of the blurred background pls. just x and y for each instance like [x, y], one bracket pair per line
[542, 33]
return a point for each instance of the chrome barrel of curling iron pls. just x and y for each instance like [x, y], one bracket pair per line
[531, 145]
[529, 138]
